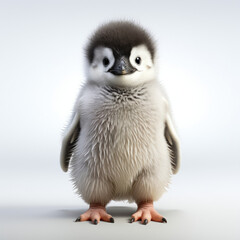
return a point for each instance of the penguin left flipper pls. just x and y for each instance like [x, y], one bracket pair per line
[173, 143]
[69, 140]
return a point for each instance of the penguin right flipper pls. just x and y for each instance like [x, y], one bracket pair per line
[69, 141]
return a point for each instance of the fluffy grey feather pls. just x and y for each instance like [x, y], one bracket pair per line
[121, 36]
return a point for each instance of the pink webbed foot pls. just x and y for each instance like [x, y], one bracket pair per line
[147, 213]
[95, 213]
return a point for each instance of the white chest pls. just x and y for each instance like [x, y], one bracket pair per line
[121, 131]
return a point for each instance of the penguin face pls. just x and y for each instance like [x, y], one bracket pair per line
[109, 67]
[120, 54]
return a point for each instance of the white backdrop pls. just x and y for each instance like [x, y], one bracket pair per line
[41, 60]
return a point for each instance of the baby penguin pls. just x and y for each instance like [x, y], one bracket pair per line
[120, 143]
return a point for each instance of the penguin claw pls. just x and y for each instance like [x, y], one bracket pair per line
[132, 220]
[78, 219]
[164, 220]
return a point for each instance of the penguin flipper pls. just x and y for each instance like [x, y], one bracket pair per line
[69, 141]
[173, 143]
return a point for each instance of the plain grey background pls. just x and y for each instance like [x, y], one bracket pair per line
[41, 70]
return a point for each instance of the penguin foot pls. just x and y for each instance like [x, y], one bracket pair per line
[147, 213]
[95, 213]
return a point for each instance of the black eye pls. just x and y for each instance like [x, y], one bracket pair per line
[105, 61]
[138, 60]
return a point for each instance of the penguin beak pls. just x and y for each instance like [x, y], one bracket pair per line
[122, 66]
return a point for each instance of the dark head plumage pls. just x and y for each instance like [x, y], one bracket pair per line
[120, 36]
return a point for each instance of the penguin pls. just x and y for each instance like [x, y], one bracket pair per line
[121, 142]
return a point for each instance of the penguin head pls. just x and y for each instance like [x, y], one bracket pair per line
[120, 53]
